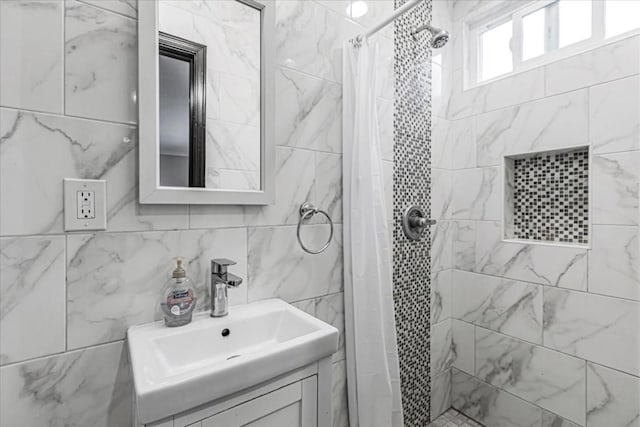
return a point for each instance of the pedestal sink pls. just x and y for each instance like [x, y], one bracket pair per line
[176, 369]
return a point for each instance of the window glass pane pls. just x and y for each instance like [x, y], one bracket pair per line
[496, 58]
[621, 16]
[533, 34]
[575, 21]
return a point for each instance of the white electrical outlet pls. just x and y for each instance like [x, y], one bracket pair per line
[85, 204]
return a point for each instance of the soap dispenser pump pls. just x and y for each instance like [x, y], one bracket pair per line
[179, 302]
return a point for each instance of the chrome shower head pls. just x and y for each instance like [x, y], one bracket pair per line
[439, 37]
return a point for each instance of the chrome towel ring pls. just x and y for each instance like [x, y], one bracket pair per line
[307, 211]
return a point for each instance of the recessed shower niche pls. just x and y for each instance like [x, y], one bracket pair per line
[547, 196]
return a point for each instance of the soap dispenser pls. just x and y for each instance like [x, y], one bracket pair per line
[179, 302]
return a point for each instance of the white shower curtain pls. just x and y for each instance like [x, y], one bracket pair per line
[372, 355]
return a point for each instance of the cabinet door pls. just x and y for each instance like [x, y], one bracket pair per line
[293, 406]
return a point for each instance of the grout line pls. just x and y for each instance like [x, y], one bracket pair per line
[549, 286]
[176, 230]
[69, 116]
[120, 14]
[64, 353]
[511, 394]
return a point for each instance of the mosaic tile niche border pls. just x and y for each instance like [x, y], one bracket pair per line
[547, 196]
[411, 186]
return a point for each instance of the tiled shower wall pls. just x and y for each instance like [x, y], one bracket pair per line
[537, 334]
[67, 89]
[411, 186]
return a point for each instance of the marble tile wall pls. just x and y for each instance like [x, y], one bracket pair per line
[68, 80]
[541, 335]
[444, 352]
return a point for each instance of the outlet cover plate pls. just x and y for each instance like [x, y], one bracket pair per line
[72, 187]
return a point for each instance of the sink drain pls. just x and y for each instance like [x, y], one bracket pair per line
[233, 357]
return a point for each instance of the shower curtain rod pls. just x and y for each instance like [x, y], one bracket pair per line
[395, 15]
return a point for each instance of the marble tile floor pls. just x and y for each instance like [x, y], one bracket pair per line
[453, 418]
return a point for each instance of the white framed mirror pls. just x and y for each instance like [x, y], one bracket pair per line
[206, 102]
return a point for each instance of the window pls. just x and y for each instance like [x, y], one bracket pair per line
[509, 38]
[621, 16]
[496, 51]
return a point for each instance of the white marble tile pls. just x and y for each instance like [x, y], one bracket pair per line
[464, 8]
[309, 38]
[440, 394]
[101, 64]
[490, 405]
[547, 378]
[560, 121]
[328, 184]
[232, 179]
[613, 398]
[507, 306]
[295, 176]
[31, 60]
[115, 280]
[307, 305]
[279, 268]
[339, 402]
[565, 267]
[441, 81]
[615, 188]
[549, 419]
[80, 149]
[476, 194]
[463, 143]
[240, 99]
[330, 309]
[600, 329]
[229, 29]
[463, 338]
[441, 193]
[614, 109]
[463, 236]
[232, 146]
[309, 113]
[123, 7]
[441, 143]
[513, 90]
[441, 246]
[32, 304]
[31, 142]
[385, 126]
[90, 387]
[596, 66]
[441, 298]
[370, 12]
[339, 6]
[442, 350]
[614, 262]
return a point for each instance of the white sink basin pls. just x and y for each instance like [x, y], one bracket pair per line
[176, 369]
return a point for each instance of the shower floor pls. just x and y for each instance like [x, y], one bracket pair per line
[453, 418]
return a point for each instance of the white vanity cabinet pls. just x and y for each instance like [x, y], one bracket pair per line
[299, 399]
[293, 405]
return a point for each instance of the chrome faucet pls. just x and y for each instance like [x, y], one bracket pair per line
[220, 280]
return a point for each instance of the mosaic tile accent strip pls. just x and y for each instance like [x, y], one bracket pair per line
[411, 186]
[453, 418]
[551, 197]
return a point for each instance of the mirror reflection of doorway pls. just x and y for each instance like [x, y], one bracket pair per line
[182, 80]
